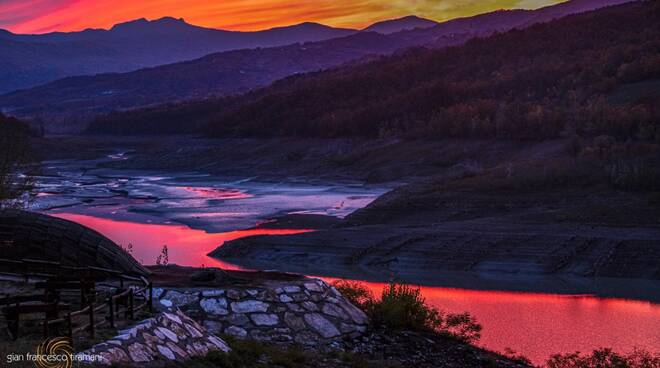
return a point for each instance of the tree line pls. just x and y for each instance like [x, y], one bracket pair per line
[14, 156]
[591, 74]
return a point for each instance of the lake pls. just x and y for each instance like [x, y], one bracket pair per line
[193, 213]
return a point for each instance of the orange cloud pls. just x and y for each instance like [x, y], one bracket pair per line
[39, 16]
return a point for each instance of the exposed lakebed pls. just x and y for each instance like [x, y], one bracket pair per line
[193, 213]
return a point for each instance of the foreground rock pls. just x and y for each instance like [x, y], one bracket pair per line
[299, 311]
[377, 349]
[166, 337]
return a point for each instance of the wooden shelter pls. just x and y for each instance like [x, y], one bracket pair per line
[43, 239]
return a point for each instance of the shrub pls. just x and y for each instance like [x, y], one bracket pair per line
[355, 292]
[14, 158]
[402, 307]
[462, 326]
[635, 175]
[516, 357]
[605, 358]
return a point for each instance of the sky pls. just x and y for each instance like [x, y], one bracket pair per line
[41, 16]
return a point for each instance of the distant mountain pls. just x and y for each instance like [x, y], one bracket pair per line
[503, 20]
[534, 84]
[401, 24]
[70, 103]
[30, 60]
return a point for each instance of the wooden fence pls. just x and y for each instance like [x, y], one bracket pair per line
[124, 303]
[117, 305]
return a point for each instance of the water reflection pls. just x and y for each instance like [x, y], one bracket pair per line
[536, 325]
[186, 246]
[539, 325]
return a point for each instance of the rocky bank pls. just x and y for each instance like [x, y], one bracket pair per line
[302, 311]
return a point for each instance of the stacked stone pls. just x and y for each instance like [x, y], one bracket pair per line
[308, 312]
[168, 336]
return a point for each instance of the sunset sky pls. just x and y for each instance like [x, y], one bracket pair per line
[40, 16]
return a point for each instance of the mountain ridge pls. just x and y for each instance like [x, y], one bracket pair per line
[400, 24]
[522, 84]
[78, 99]
[30, 60]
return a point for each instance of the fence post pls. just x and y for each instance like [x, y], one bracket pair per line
[69, 323]
[16, 328]
[130, 304]
[91, 320]
[151, 297]
[83, 298]
[111, 304]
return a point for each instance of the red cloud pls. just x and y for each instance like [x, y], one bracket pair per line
[38, 16]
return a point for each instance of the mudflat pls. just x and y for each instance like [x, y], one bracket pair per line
[503, 215]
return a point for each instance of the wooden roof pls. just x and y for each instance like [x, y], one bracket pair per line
[28, 235]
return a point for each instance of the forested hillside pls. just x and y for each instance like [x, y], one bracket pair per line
[534, 83]
[68, 105]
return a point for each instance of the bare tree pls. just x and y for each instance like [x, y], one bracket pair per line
[16, 181]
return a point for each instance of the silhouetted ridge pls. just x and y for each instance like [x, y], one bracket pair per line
[67, 106]
[29, 60]
[397, 25]
[532, 84]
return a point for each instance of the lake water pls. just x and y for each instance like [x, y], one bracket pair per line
[193, 214]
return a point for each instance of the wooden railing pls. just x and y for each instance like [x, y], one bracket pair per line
[112, 304]
[122, 302]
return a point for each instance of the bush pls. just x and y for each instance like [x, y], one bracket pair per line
[605, 358]
[402, 307]
[516, 357]
[14, 157]
[635, 175]
[462, 326]
[355, 292]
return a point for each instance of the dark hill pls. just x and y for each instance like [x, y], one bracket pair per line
[30, 60]
[66, 104]
[401, 24]
[534, 83]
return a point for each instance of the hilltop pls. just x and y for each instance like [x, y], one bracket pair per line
[68, 105]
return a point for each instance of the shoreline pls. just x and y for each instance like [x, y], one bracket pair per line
[604, 288]
[457, 215]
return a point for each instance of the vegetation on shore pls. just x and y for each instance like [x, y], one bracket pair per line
[254, 354]
[605, 358]
[14, 156]
[402, 307]
[398, 309]
[524, 84]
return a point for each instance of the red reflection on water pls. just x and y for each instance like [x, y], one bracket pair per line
[185, 246]
[539, 325]
[536, 325]
[217, 193]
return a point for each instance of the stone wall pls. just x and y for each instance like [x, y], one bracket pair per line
[308, 311]
[168, 336]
